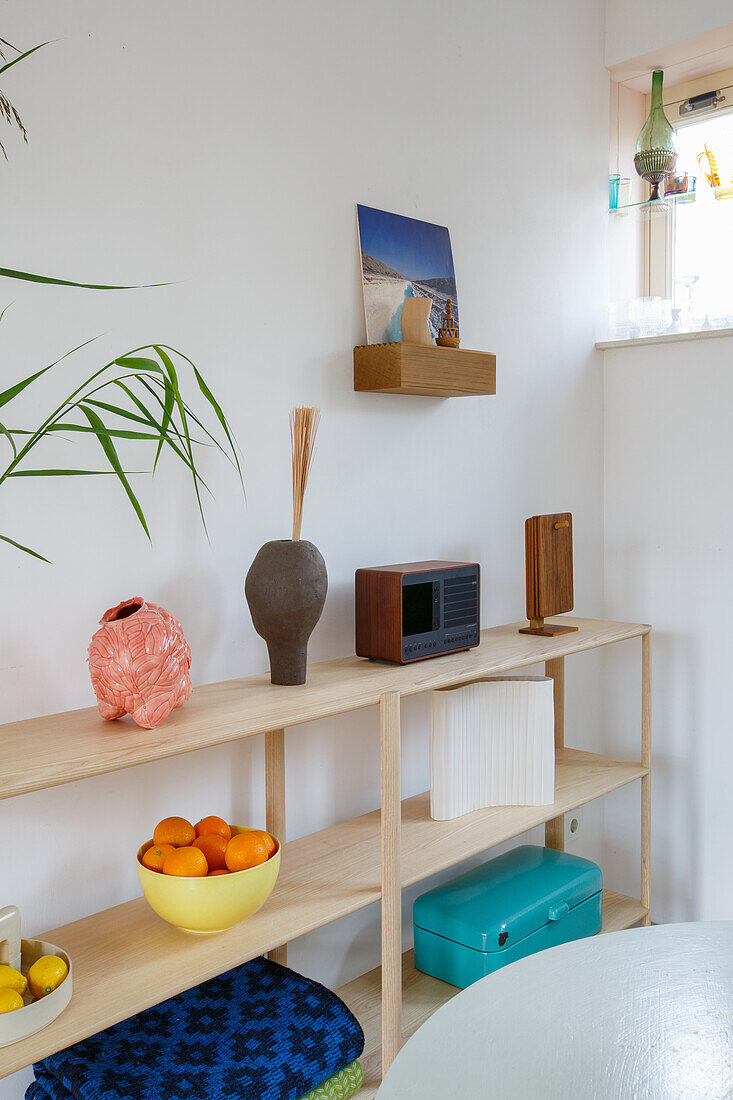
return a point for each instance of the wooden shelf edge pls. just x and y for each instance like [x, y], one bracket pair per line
[39, 753]
[423, 995]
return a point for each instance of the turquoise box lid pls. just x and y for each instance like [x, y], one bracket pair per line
[506, 899]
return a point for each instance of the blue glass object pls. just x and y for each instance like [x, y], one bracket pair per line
[614, 183]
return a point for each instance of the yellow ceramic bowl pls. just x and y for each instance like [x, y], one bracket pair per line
[209, 904]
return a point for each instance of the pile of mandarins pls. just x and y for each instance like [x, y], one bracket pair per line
[205, 849]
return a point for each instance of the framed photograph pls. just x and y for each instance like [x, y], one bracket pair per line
[403, 258]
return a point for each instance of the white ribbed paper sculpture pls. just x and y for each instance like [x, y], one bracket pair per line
[492, 743]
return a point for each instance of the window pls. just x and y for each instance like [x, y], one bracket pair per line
[690, 253]
[702, 232]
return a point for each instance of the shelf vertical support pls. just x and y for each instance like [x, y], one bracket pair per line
[555, 829]
[275, 806]
[646, 780]
[391, 822]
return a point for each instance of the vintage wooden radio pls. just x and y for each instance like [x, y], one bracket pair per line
[421, 609]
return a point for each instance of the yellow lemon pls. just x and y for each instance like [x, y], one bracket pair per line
[10, 999]
[46, 974]
[10, 978]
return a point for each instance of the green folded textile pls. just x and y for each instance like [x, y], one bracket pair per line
[341, 1086]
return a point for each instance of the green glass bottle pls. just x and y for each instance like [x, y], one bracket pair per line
[656, 149]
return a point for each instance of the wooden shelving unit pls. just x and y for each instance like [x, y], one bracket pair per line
[424, 370]
[330, 873]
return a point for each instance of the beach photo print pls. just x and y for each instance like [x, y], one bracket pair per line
[403, 258]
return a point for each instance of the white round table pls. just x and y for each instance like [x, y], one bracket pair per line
[645, 1014]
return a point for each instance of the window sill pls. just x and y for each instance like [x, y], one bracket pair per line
[669, 338]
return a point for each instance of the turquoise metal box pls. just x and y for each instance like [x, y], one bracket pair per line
[523, 901]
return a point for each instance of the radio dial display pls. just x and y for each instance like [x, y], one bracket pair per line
[417, 609]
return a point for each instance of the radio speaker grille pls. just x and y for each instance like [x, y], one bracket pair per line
[460, 602]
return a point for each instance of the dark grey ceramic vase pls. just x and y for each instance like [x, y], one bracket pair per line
[286, 589]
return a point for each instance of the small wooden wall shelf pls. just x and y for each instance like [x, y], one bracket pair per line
[423, 370]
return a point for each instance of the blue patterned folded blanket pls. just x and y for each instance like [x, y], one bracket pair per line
[258, 1032]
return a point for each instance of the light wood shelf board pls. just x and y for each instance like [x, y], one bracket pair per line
[323, 876]
[43, 752]
[423, 995]
[620, 911]
[430, 846]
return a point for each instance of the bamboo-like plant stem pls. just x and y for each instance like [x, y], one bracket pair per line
[303, 428]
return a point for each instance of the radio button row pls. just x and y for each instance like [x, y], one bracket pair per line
[457, 639]
[420, 647]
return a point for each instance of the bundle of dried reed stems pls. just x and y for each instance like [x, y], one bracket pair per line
[303, 428]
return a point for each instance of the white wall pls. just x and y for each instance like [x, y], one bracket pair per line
[633, 29]
[223, 146]
[669, 562]
[626, 235]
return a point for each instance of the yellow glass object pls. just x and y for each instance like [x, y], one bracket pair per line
[209, 904]
[720, 174]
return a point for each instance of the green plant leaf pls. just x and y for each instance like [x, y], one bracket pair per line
[166, 438]
[192, 416]
[131, 362]
[25, 549]
[163, 383]
[166, 422]
[66, 473]
[9, 394]
[47, 424]
[13, 391]
[215, 406]
[119, 411]
[114, 433]
[9, 64]
[6, 432]
[109, 449]
[168, 403]
[28, 277]
[171, 371]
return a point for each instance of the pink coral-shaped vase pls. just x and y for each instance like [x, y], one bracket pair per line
[140, 661]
